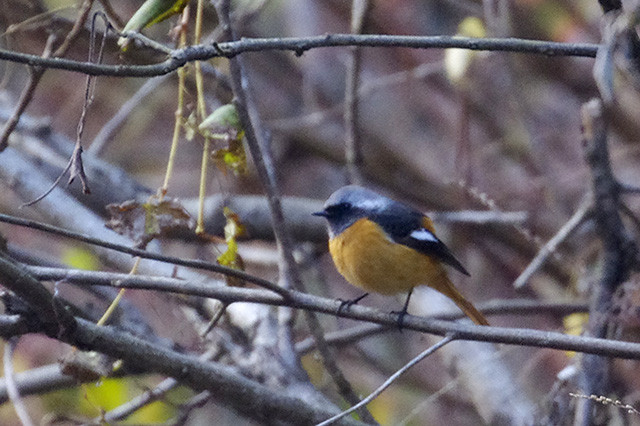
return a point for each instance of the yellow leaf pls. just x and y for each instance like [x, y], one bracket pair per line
[233, 158]
[230, 258]
[457, 61]
[574, 324]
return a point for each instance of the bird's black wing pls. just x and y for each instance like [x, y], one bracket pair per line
[426, 242]
[404, 225]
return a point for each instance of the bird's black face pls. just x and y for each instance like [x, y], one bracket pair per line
[334, 210]
[340, 216]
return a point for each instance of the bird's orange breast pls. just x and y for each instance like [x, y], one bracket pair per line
[368, 259]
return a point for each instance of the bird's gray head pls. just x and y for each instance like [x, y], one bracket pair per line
[350, 203]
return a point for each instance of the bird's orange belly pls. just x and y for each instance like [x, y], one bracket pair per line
[368, 259]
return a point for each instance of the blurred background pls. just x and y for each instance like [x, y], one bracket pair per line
[440, 130]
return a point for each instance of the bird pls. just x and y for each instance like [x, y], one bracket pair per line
[384, 246]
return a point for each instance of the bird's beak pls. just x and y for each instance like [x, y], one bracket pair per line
[321, 213]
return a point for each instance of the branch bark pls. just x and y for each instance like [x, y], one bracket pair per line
[299, 45]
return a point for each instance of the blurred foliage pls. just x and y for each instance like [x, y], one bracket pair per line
[92, 399]
[79, 258]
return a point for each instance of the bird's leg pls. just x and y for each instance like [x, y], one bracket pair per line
[403, 312]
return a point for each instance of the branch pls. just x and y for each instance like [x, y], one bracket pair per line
[515, 336]
[619, 251]
[230, 388]
[395, 376]
[46, 311]
[577, 219]
[353, 149]
[299, 45]
[143, 356]
[348, 336]
[38, 381]
[197, 264]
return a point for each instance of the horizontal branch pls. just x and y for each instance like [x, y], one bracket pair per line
[299, 45]
[515, 336]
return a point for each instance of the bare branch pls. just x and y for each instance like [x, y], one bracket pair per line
[299, 45]
[447, 339]
[38, 381]
[56, 319]
[550, 247]
[239, 392]
[516, 336]
[619, 252]
[353, 150]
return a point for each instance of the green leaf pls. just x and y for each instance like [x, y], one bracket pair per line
[222, 121]
[154, 11]
[224, 125]
[150, 13]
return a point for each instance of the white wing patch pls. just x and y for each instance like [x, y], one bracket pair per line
[423, 234]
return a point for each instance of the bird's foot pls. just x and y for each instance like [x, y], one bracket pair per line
[349, 303]
[400, 321]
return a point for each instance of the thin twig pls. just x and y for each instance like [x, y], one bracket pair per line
[36, 72]
[187, 408]
[580, 215]
[447, 339]
[144, 399]
[114, 18]
[353, 150]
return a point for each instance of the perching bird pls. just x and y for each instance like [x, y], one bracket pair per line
[387, 247]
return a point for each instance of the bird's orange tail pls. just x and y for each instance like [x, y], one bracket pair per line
[469, 310]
